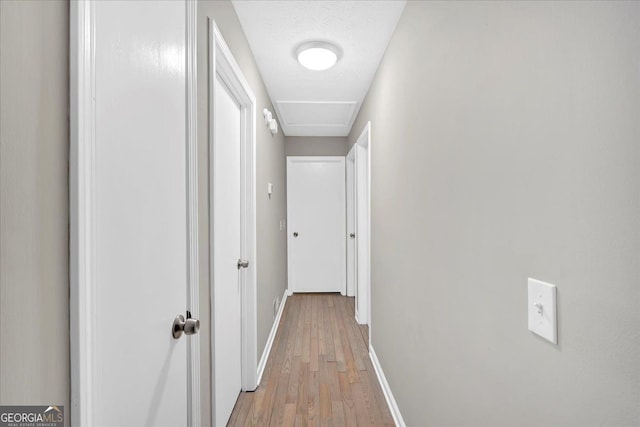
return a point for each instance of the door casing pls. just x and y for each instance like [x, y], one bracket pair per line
[363, 226]
[222, 62]
[352, 271]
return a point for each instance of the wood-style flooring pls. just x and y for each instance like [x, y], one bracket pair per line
[318, 372]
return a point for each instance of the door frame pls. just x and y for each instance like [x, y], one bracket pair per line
[352, 271]
[223, 63]
[363, 223]
[290, 279]
[82, 211]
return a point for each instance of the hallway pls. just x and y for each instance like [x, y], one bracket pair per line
[319, 371]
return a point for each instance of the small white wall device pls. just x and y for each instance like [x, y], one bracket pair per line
[542, 310]
[269, 121]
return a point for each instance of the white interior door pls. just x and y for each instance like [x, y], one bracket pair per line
[352, 270]
[227, 251]
[316, 215]
[129, 214]
[232, 227]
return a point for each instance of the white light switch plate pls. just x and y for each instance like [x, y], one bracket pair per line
[542, 310]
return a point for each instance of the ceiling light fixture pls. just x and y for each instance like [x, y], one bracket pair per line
[318, 55]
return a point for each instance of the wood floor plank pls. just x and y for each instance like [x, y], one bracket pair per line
[387, 419]
[289, 414]
[313, 351]
[370, 400]
[306, 332]
[318, 372]
[313, 405]
[294, 380]
[328, 332]
[337, 413]
[334, 381]
[348, 403]
[299, 301]
[337, 340]
[325, 402]
[302, 402]
[356, 345]
[241, 409]
[346, 347]
[279, 401]
[322, 348]
[363, 416]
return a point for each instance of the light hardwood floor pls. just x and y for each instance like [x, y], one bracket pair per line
[318, 372]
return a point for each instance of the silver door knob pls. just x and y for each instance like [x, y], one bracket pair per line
[243, 263]
[295, 234]
[188, 326]
[352, 235]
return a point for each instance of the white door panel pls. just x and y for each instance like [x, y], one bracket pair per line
[227, 250]
[316, 212]
[140, 376]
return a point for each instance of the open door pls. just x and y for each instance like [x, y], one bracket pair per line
[134, 282]
[232, 227]
[363, 225]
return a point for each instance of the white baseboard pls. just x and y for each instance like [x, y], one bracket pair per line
[272, 336]
[386, 390]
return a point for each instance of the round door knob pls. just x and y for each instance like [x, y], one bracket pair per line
[295, 234]
[188, 326]
[191, 326]
[177, 328]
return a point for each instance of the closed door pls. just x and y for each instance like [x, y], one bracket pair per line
[227, 249]
[132, 229]
[316, 214]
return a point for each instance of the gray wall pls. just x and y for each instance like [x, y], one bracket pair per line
[505, 145]
[34, 216]
[272, 250]
[315, 146]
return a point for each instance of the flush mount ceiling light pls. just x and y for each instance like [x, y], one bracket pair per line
[317, 55]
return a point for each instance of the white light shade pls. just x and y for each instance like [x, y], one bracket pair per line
[317, 56]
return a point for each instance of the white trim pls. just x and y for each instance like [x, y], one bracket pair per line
[347, 124]
[350, 180]
[193, 268]
[271, 338]
[364, 141]
[82, 184]
[386, 389]
[223, 64]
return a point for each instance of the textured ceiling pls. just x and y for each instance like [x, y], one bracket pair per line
[317, 103]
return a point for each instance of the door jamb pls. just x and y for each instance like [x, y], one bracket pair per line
[352, 270]
[223, 63]
[82, 210]
[364, 141]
